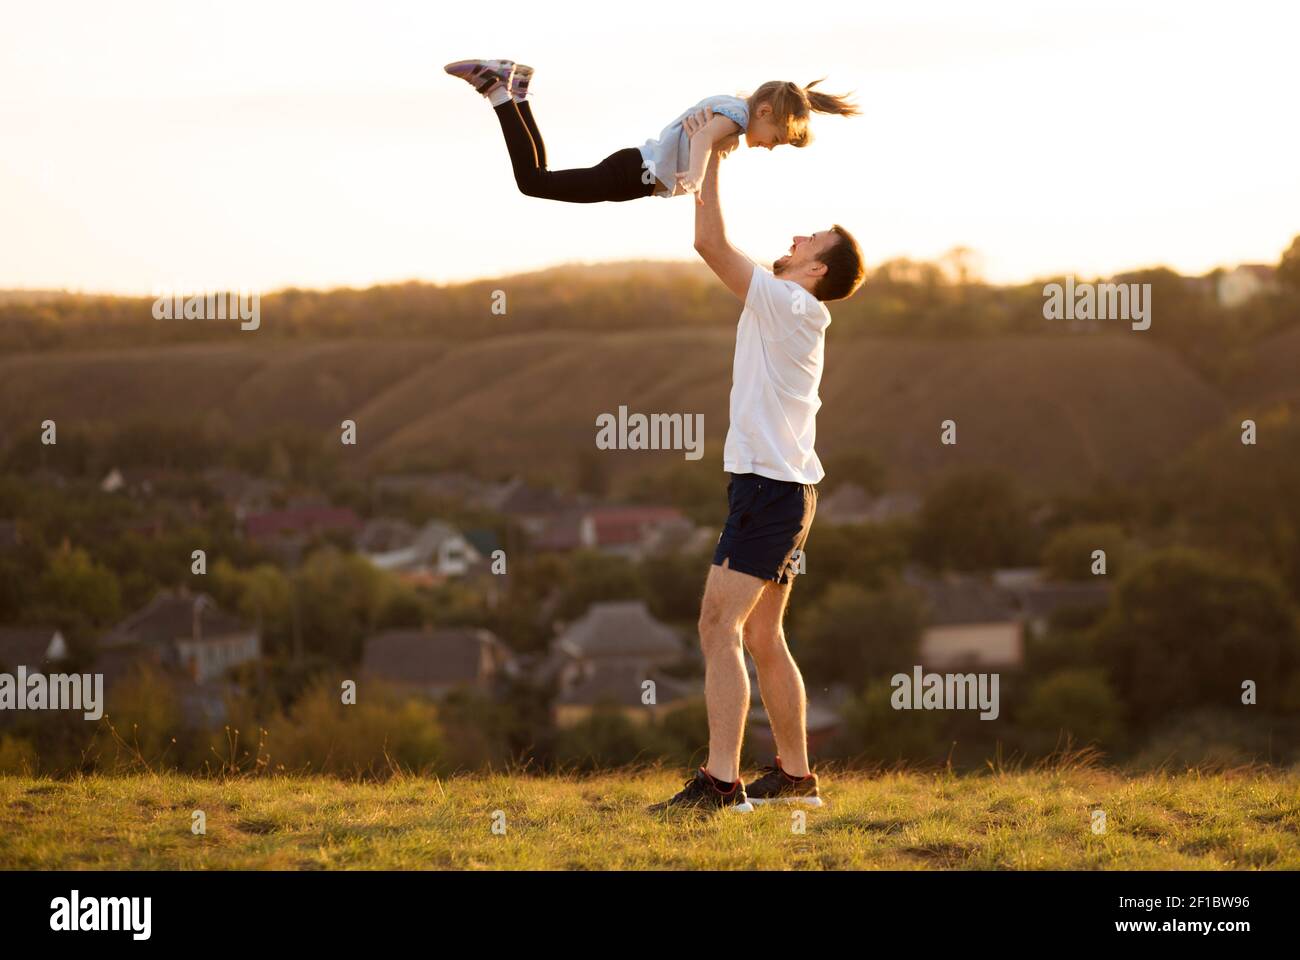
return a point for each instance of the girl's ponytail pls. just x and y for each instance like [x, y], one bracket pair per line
[833, 103]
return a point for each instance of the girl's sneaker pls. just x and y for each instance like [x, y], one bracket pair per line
[519, 81]
[483, 75]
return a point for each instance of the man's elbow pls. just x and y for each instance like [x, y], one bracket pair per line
[706, 245]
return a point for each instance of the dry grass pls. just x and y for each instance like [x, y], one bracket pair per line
[1231, 820]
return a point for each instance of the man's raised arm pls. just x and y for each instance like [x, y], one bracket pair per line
[732, 267]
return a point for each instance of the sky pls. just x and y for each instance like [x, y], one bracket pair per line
[149, 146]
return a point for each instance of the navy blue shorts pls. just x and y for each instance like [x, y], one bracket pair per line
[768, 521]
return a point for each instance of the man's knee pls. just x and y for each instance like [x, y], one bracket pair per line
[717, 628]
[764, 641]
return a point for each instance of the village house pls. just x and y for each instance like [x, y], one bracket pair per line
[533, 508]
[32, 647]
[634, 532]
[242, 493]
[849, 504]
[607, 655]
[971, 624]
[1038, 600]
[1245, 282]
[638, 692]
[191, 640]
[432, 663]
[287, 532]
[437, 551]
[982, 622]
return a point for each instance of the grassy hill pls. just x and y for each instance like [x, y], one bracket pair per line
[1057, 410]
[1012, 821]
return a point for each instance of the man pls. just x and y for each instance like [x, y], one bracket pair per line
[772, 496]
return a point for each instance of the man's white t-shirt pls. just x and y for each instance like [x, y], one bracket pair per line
[780, 343]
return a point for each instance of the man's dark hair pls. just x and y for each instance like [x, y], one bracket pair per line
[844, 268]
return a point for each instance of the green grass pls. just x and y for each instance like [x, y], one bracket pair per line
[1016, 821]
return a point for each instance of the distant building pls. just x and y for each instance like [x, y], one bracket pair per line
[1017, 578]
[634, 532]
[289, 530]
[607, 655]
[242, 493]
[190, 632]
[383, 534]
[438, 550]
[1040, 602]
[982, 623]
[190, 641]
[32, 647]
[637, 691]
[849, 504]
[971, 624]
[621, 630]
[432, 663]
[138, 482]
[484, 541]
[533, 508]
[1245, 282]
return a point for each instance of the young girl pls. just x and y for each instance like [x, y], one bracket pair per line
[775, 114]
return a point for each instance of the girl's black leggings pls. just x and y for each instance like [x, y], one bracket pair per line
[620, 176]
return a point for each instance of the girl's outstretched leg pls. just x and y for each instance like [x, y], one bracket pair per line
[539, 147]
[618, 177]
[519, 142]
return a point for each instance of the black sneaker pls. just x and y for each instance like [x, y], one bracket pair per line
[701, 792]
[777, 786]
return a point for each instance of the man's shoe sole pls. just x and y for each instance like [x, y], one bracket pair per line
[810, 801]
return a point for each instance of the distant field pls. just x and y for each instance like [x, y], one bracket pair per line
[1056, 411]
[1014, 821]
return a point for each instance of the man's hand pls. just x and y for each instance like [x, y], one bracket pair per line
[690, 184]
[696, 120]
[726, 145]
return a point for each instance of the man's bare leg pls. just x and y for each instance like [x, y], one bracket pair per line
[779, 680]
[728, 598]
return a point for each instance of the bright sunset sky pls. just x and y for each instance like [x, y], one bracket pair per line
[263, 144]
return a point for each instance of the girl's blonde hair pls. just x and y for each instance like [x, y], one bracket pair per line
[792, 105]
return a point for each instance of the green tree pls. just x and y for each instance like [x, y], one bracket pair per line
[975, 520]
[1068, 554]
[1186, 629]
[73, 583]
[1078, 703]
[853, 633]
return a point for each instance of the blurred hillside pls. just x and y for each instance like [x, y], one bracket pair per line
[434, 375]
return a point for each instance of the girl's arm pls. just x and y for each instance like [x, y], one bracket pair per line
[717, 128]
